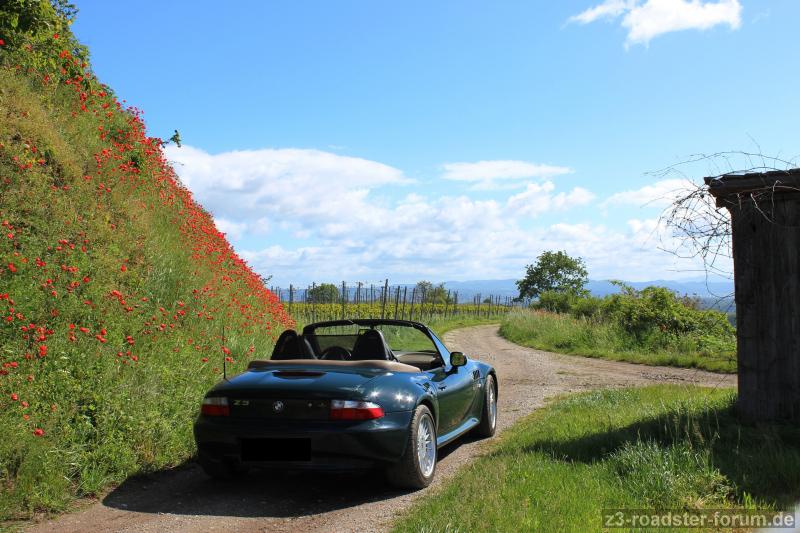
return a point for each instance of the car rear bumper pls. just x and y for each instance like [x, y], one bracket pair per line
[318, 444]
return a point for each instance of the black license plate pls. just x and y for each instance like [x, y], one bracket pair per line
[276, 450]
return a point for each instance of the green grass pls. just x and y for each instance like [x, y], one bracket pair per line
[440, 326]
[591, 338]
[664, 447]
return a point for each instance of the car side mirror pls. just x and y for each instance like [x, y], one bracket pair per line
[458, 359]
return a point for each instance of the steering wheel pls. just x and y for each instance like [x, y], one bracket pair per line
[336, 353]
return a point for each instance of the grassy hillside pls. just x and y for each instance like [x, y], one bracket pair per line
[114, 284]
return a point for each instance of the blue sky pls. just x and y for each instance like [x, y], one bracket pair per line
[355, 140]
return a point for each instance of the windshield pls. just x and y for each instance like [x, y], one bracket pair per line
[406, 339]
[400, 339]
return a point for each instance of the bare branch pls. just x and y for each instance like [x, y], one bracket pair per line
[698, 228]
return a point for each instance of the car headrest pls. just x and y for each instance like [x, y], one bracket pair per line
[371, 345]
[290, 346]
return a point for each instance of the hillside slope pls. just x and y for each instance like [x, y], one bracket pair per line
[115, 284]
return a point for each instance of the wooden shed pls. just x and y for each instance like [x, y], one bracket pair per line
[765, 223]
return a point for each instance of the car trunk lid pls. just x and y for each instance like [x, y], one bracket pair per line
[293, 393]
[307, 382]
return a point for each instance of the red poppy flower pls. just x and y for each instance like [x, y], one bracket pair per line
[12, 267]
[14, 397]
[38, 432]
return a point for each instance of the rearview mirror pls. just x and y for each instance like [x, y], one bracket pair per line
[458, 359]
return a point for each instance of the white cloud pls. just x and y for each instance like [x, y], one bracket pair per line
[646, 19]
[608, 9]
[486, 174]
[443, 254]
[233, 230]
[310, 216]
[302, 188]
[659, 194]
[537, 199]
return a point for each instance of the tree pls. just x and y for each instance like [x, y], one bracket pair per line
[429, 293]
[422, 289]
[323, 293]
[555, 272]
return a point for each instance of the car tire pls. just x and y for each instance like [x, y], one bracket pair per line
[417, 466]
[488, 424]
[220, 470]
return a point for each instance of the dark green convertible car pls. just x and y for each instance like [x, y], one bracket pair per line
[348, 394]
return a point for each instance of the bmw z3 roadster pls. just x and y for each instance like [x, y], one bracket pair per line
[348, 394]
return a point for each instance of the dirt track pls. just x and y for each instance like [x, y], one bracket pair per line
[185, 500]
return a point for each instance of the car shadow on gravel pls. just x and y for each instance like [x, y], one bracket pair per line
[186, 490]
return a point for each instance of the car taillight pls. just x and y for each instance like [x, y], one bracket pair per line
[215, 406]
[354, 410]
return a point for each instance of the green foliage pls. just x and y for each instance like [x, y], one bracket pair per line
[652, 325]
[35, 32]
[663, 447]
[593, 335]
[323, 293]
[586, 307]
[556, 301]
[553, 272]
[655, 310]
[176, 138]
[429, 293]
[420, 312]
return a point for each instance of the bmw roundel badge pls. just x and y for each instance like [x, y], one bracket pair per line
[277, 406]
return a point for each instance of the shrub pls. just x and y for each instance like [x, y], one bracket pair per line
[658, 311]
[556, 301]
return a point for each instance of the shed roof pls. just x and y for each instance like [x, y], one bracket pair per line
[734, 184]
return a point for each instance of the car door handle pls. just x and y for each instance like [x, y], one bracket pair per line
[442, 387]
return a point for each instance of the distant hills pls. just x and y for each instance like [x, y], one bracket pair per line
[706, 290]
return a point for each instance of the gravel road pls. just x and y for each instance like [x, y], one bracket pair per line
[185, 500]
